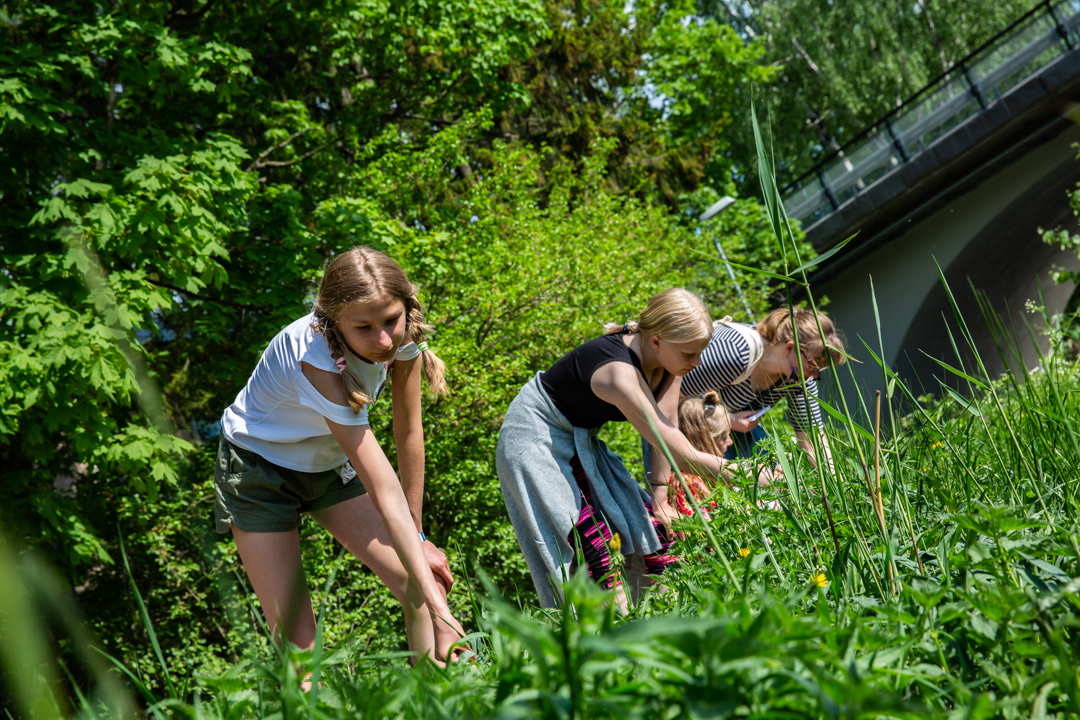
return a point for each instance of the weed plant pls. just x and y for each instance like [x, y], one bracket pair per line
[932, 568]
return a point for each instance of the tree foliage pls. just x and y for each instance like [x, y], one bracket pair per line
[174, 175]
[841, 65]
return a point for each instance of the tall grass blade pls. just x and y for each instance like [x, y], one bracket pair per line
[958, 373]
[24, 646]
[769, 194]
[756, 271]
[818, 259]
[146, 620]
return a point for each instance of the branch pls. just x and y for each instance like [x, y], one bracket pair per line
[196, 296]
[806, 57]
[738, 18]
[287, 163]
[256, 163]
[444, 93]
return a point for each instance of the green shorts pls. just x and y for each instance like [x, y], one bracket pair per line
[258, 496]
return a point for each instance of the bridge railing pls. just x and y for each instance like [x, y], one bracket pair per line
[1022, 49]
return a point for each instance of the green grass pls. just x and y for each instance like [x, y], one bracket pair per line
[933, 570]
[980, 622]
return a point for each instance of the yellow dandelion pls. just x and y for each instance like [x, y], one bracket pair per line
[925, 469]
[936, 445]
[744, 552]
[615, 543]
[821, 581]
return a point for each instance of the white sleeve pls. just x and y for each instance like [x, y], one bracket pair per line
[408, 351]
[317, 354]
[341, 414]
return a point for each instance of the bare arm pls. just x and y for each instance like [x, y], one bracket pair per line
[806, 444]
[409, 435]
[621, 385]
[385, 491]
[667, 400]
[409, 439]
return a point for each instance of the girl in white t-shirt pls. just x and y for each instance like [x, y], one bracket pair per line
[297, 440]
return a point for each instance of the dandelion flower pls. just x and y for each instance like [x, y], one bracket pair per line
[821, 581]
[744, 552]
[615, 543]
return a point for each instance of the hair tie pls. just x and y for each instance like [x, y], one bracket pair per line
[341, 364]
[422, 346]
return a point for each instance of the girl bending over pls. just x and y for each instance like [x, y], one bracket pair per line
[562, 486]
[754, 366]
[297, 440]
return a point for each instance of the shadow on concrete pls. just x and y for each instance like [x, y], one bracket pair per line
[1007, 261]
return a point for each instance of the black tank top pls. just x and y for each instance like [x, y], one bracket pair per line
[567, 381]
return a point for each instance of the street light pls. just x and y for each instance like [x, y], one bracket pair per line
[715, 209]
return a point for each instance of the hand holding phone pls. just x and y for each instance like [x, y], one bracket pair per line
[759, 413]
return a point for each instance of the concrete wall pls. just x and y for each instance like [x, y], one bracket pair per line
[988, 235]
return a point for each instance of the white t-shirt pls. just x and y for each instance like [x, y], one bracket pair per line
[281, 416]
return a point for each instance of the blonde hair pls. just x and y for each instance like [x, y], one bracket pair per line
[775, 328]
[675, 315]
[362, 275]
[702, 420]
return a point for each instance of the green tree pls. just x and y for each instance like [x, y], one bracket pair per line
[174, 175]
[660, 80]
[842, 65]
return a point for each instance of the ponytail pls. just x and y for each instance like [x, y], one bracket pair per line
[631, 326]
[415, 331]
[675, 315]
[355, 391]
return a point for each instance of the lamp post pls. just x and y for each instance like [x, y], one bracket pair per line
[715, 209]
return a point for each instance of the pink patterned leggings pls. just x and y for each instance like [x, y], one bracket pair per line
[592, 534]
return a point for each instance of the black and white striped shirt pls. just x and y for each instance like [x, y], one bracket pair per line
[724, 360]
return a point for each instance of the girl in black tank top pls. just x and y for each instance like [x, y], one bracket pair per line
[567, 382]
[550, 474]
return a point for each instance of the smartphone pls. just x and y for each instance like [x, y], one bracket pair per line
[759, 413]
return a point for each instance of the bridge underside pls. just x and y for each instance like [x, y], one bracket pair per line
[985, 236]
[1007, 263]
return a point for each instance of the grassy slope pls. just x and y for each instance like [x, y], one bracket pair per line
[980, 621]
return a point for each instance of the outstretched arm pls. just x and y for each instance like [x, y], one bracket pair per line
[807, 444]
[623, 386]
[387, 495]
[409, 434]
[667, 401]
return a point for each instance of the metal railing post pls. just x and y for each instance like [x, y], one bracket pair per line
[1062, 30]
[827, 188]
[897, 141]
[974, 86]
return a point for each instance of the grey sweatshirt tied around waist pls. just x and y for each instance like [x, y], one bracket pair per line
[535, 446]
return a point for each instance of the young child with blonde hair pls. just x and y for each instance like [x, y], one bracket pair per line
[705, 423]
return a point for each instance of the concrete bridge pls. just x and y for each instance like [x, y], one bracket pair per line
[965, 172]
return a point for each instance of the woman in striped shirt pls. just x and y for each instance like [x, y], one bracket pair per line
[753, 366]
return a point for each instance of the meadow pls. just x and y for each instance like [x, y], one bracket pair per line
[932, 570]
